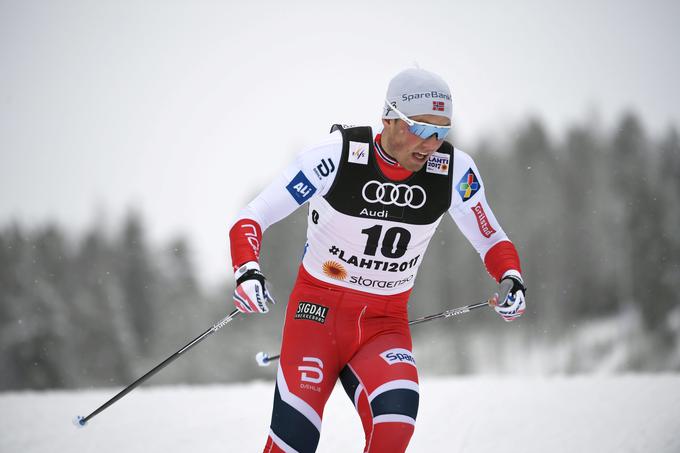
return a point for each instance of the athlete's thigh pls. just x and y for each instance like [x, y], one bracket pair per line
[384, 369]
[307, 371]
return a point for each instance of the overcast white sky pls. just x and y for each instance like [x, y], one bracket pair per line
[183, 109]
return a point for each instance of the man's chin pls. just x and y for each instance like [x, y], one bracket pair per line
[415, 165]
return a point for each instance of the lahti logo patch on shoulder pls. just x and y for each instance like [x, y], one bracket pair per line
[312, 312]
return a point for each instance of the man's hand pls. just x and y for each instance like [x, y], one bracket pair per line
[251, 294]
[510, 304]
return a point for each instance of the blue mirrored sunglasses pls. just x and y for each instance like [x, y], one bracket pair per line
[422, 130]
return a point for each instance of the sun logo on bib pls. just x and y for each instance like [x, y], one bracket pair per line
[334, 270]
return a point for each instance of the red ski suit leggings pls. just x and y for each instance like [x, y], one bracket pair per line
[332, 332]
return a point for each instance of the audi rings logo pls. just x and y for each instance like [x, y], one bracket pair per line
[397, 194]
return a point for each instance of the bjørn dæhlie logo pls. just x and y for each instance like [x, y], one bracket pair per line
[325, 168]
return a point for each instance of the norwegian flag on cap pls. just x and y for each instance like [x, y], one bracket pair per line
[438, 106]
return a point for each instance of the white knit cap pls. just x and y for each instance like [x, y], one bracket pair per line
[415, 92]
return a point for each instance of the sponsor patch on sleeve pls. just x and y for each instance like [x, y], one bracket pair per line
[468, 186]
[398, 355]
[358, 153]
[482, 220]
[300, 188]
[324, 169]
[438, 163]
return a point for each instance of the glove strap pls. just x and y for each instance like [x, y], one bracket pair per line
[517, 284]
[251, 274]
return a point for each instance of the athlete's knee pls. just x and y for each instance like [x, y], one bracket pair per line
[394, 407]
[295, 425]
[395, 402]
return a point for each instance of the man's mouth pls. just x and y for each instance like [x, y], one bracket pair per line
[420, 156]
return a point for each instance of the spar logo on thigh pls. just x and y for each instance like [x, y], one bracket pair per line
[398, 355]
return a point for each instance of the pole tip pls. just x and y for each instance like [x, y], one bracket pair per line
[79, 421]
[262, 358]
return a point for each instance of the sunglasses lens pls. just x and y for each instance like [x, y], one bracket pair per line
[428, 130]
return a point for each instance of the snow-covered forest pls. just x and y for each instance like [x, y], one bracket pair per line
[594, 214]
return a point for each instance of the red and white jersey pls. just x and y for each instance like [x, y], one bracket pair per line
[367, 230]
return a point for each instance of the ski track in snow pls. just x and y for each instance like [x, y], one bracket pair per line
[624, 414]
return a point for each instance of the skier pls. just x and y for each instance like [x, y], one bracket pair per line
[374, 204]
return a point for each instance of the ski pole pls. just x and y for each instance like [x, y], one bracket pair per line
[80, 421]
[263, 359]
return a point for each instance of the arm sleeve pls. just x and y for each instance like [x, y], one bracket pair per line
[475, 219]
[310, 175]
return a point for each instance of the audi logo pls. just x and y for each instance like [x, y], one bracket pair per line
[397, 194]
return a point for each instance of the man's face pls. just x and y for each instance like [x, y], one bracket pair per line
[406, 148]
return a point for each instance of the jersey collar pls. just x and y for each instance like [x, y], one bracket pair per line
[388, 165]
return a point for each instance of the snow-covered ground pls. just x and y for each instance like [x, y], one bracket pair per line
[471, 415]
